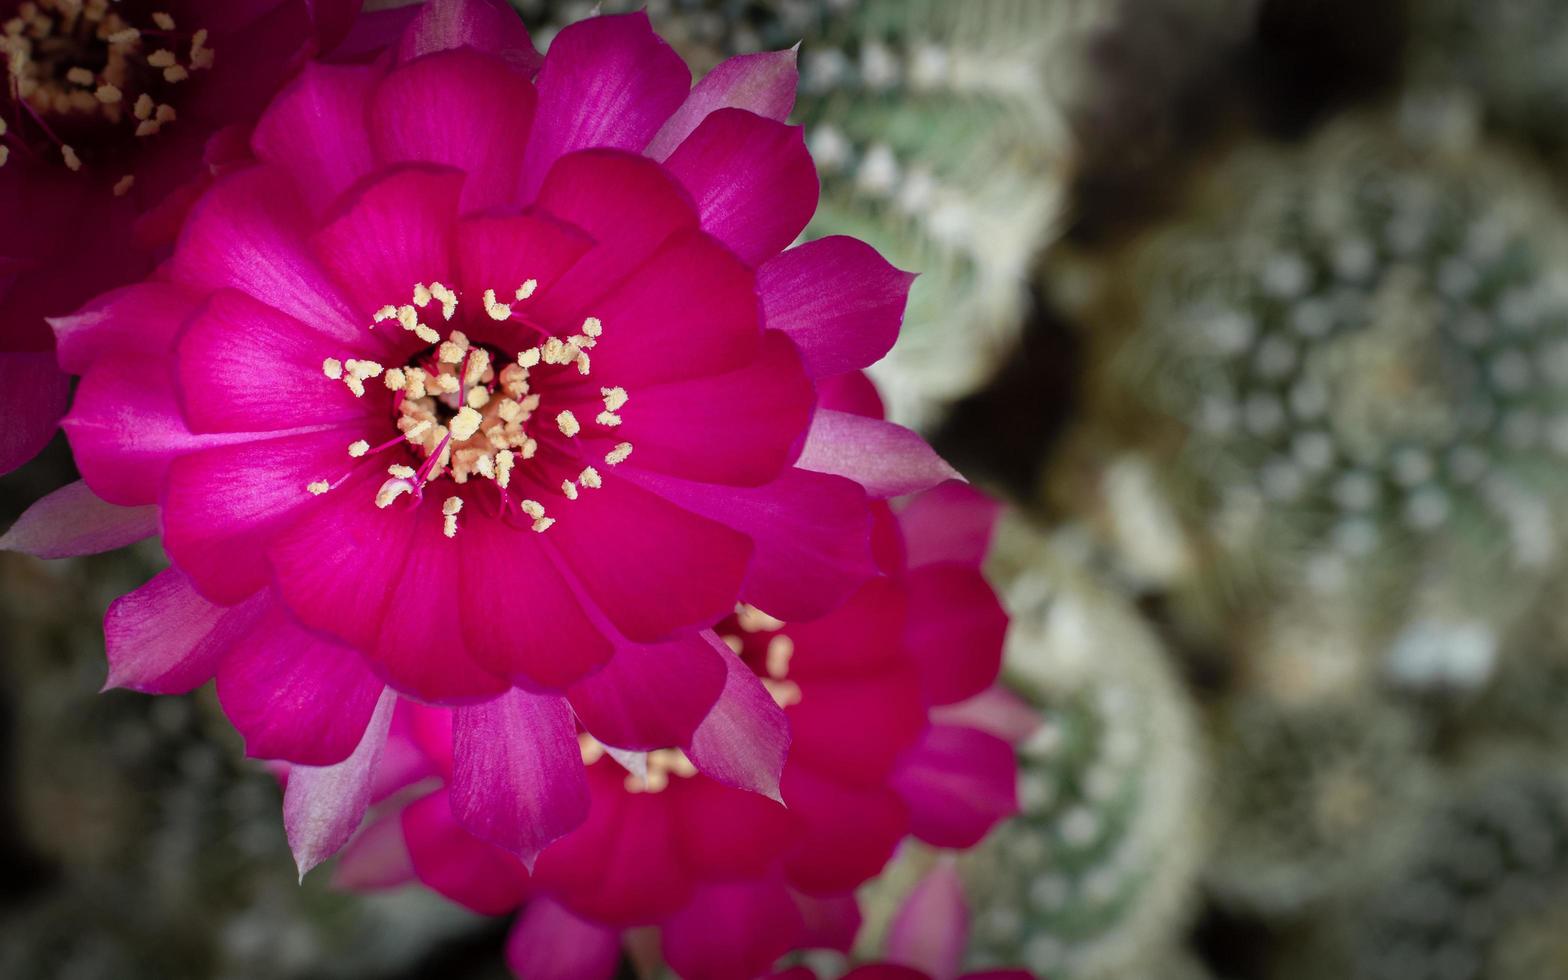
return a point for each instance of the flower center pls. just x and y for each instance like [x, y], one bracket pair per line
[77, 67]
[757, 638]
[473, 412]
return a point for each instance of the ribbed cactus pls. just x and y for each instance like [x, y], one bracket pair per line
[936, 140]
[1354, 363]
[1484, 893]
[1094, 878]
[1312, 799]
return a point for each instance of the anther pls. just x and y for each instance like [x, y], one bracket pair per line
[570, 489]
[465, 423]
[123, 186]
[608, 419]
[619, 454]
[358, 448]
[614, 398]
[72, 161]
[567, 423]
[527, 289]
[319, 487]
[449, 510]
[590, 478]
[528, 358]
[496, 311]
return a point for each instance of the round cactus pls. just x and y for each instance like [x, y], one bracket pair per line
[1483, 892]
[1312, 799]
[1356, 358]
[1093, 878]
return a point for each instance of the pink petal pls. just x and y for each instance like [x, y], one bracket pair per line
[885, 707]
[839, 301]
[757, 414]
[376, 859]
[36, 393]
[550, 943]
[371, 577]
[294, 696]
[125, 428]
[484, 25]
[950, 522]
[958, 782]
[650, 566]
[458, 865]
[745, 738]
[629, 205]
[860, 640]
[732, 930]
[995, 710]
[231, 343]
[315, 131]
[811, 533]
[538, 652]
[606, 82]
[717, 330]
[851, 392]
[637, 876]
[887, 459]
[847, 833]
[502, 252]
[831, 922]
[249, 232]
[724, 833]
[931, 930]
[753, 181]
[221, 506]
[136, 320]
[650, 697]
[461, 109]
[763, 83]
[955, 632]
[517, 778]
[322, 807]
[75, 521]
[394, 232]
[164, 638]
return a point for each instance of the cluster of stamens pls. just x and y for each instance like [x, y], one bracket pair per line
[81, 58]
[775, 662]
[469, 413]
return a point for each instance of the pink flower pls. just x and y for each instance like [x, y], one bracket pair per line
[880, 696]
[105, 117]
[489, 384]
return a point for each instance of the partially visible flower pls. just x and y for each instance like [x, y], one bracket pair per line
[879, 697]
[489, 384]
[106, 113]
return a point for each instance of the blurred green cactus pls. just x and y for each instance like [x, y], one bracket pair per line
[1353, 360]
[1482, 894]
[1093, 879]
[1313, 799]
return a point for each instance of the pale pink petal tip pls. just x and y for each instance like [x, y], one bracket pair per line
[887, 459]
[550, 943]
[323, 806]
[74, 521]
[745, 738]
[931, 929]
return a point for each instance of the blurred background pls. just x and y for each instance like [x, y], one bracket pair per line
[1256, 311]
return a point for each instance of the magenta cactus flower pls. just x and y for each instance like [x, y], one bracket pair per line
[108, 113]
[882, 697]
[490, 382]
